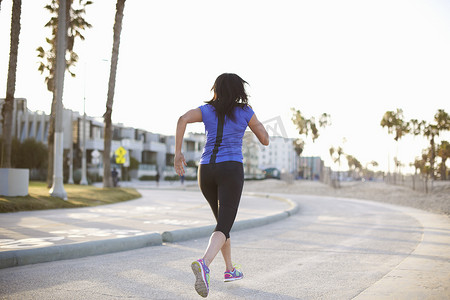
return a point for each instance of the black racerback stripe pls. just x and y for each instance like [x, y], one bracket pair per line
[219, 136]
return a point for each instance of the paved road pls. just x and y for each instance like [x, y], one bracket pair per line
[331, 249]
[157, 211]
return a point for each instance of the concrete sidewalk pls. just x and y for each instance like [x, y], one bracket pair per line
[161, 215]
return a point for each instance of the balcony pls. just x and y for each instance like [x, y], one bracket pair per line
[132, 144]
[155, 147]
[92, 144]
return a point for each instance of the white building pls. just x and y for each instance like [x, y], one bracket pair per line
[279, 154]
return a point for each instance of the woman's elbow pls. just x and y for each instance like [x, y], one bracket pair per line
[182, 120]
[265, 140]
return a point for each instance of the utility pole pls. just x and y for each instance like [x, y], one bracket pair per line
[57, 189]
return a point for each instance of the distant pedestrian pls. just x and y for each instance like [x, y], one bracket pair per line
[115, 177]
[182, 179]
[157, 178]
[221, 174]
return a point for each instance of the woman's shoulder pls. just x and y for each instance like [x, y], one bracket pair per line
[247, 109]
[206, 106]
[207, 110]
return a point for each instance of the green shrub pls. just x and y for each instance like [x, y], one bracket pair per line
[147, 177]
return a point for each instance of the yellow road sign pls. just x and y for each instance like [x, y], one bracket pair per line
[120, 151]
[120, 155]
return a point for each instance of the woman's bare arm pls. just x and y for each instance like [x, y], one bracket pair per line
[258, 129]
[192, 116]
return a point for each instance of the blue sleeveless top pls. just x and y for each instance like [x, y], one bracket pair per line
[224, 141]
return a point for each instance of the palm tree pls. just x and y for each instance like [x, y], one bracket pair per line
[354, 165]
[309, 126]
[395, 124]
[337, 159]
[75, 25]
[444, 153]
[306, 127]
[430, 131]
[8, 106]
[120, 5]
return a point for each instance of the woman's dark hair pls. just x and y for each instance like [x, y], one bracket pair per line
[229, 92]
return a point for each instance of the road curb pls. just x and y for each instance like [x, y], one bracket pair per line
[180, 235]
[78, 250]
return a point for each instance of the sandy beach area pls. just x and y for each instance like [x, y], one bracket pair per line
[436, 201]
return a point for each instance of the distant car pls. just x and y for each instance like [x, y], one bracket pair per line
[272, 173]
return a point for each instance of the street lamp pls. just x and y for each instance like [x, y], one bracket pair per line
[83, 159]
[83, 145]
[70, 181]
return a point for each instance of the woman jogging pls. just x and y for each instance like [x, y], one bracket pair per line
[220, 173]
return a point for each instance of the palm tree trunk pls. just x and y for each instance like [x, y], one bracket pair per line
[432, 158]
[443, 169]
[51, 140]
[7, 109]
[51, 127]
[107, 182]
[57, 189]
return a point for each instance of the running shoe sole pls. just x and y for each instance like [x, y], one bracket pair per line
[201, 285]
[233, 279]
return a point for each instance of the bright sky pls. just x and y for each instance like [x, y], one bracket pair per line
[354, 60]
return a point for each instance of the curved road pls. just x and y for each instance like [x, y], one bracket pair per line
[332, 249]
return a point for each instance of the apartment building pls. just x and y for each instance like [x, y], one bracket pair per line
[279, 154]
[154, 152]
[311, 167]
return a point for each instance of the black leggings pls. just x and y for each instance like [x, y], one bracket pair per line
[221, 184]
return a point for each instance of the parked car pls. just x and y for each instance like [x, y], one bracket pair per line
[272, 173]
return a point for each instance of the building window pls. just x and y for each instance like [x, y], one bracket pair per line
[149, 157]
[170, 159]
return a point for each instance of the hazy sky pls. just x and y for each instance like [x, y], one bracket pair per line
[351, 59]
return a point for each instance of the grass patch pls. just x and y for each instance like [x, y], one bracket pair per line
[78, 196]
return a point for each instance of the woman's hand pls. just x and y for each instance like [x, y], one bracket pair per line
[179, 163]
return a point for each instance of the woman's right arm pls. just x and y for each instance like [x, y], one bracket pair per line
[258, 129]
[192, 116]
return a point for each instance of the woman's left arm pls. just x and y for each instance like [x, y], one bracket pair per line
[192, 116]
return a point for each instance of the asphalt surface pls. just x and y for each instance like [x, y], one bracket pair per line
[331, 249]
[159, 216]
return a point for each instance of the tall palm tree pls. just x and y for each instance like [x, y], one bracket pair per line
[395, 124]
[444, 153]
[335, 154]
[75, 25]
[8, 106]
[309, 126]
[107, 182]
[430, 131]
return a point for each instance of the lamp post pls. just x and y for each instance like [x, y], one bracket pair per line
[83, 144]
[70, 181]
[83, 159]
